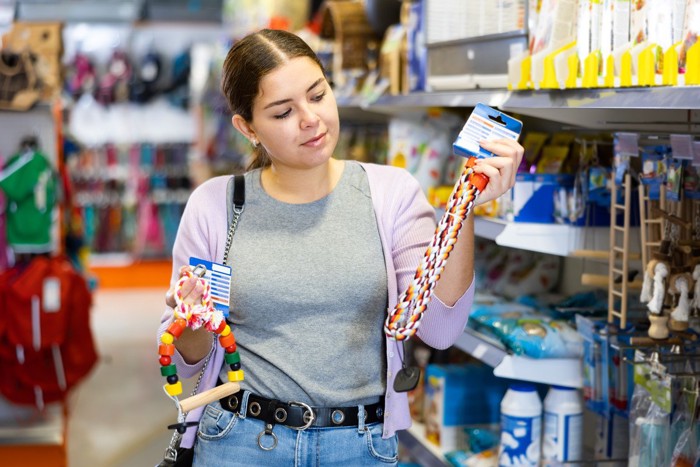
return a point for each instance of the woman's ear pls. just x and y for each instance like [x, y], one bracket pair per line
[240, 124]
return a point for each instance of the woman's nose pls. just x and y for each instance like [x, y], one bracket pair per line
[309, 118]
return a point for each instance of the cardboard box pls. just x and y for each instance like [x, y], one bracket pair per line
[457, 396]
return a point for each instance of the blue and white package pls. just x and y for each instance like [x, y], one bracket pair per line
[219, 278]
[485, 123]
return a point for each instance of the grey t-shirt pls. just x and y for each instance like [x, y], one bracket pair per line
[309, 295]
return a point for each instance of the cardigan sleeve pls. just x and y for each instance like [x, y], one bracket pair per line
[196, 237]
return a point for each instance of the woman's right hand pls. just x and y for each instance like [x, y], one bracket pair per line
[192, 289]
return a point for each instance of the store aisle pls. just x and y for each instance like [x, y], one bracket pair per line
[119, 414]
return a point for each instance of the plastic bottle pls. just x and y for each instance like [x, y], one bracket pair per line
[521, 426]
[563, 425]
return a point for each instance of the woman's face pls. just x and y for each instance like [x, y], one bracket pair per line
[295, 116]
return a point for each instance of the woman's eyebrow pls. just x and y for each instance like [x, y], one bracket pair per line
[284, 101]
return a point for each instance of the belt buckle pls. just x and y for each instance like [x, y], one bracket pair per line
[308, 416]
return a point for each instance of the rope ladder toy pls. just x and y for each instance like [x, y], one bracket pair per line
[195, 316]
[402, 323]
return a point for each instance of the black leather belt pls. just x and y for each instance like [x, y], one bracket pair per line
[299, 415]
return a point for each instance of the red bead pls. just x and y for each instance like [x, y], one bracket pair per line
[221, 327]
[165, 360]
[176, 327]
[230, 349]
[227, 341]
[166, 349]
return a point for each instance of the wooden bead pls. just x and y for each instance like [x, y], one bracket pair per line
[166, 349]
[225, 331]
[235, 366]
[173, 379]
[174, 389]
[232, 357]
[165, 360]
[227, 341]
[177, 326]
[167, 338]
[168, 370]
[235, 376]
[231, 348]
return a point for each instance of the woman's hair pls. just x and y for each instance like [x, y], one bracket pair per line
[248, 61]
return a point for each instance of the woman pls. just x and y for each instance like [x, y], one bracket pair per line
[320, 255]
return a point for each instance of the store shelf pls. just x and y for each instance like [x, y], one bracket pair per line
[561, 371]
[421, 450]
[553, 239]
[676, 108]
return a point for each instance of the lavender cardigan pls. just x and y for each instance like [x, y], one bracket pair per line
[406, 224]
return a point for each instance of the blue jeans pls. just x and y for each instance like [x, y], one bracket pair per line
[226, 439]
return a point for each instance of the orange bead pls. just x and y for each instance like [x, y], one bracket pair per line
[227, 341]
[176, 327]
[166, 349]
[165, 360]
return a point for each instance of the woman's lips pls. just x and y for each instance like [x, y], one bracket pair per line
[316, 141]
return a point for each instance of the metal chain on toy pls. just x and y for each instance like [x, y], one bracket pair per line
[402, 323]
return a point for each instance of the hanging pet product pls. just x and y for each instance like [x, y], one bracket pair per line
[208, 313]
[403, 321]
[19, 86]
[659, 321]
[679, 286]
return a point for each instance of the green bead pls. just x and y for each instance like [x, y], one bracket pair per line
[233, 358]
[168, 370]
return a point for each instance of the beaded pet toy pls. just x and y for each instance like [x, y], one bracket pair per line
[402, 323]
[195, 316]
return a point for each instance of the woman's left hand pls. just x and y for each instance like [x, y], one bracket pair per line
[500, 169]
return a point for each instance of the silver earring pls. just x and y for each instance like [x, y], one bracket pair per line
[254, 142]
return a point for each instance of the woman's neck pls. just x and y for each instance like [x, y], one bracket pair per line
[301, 186]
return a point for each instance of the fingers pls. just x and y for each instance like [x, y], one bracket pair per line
[191, 290]
[501, 170]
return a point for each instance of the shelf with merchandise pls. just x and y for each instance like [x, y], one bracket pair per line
[561, 371]
[420, 449]
[676, 108]
[553, 239]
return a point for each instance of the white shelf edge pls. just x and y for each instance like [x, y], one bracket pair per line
[553, 239]
[28, 428]
[559, 371]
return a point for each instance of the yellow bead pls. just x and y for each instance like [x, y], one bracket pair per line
[235, 376]
[167, 338]
[175, 389]
[226, 331]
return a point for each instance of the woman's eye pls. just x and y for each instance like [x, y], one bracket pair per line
[284, 115]
[319, 97]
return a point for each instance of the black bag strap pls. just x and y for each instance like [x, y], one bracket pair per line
[238, 191]
[238, 199]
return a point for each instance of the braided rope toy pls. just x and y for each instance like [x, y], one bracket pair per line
[402, 323]
[202, 314]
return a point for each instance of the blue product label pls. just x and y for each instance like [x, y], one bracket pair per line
[219, 277]
[520, 441]
[563, 437]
